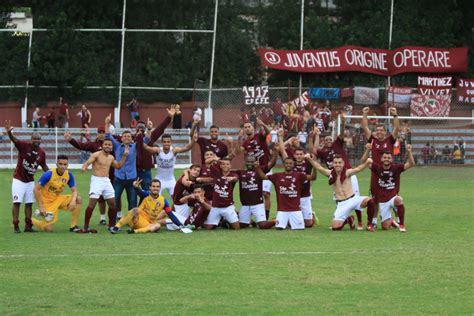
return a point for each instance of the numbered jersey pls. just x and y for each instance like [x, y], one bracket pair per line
[165, 165]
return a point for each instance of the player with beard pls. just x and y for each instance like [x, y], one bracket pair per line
[30, 157]
[213, 143]
[183, 188]
[301, 165]
[222, 197]
[288, 187]
[166, 159]
[93, 147]
[339, 179]
[255, 145]
[250, 189]
[206, 175]
[381, 142]
[326, 154]
[388, 186]
[101, 162]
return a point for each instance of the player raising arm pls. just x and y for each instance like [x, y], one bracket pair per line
[339, 179]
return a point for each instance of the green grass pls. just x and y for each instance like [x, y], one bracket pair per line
[428, 270]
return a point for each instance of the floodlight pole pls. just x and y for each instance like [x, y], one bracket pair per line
[390, 33]
[119, 102]
[208, 115]
[24, 110]
[301, 43]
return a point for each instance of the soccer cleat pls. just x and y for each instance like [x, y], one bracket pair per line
[130, 231]
[370, 228]
[187, 229]
[402, 228]
[360, 226]
[30, 230]
[113, 230]
[87, 231]
[16, 230]
[394, 224]
[350, 221]
[74, 229]
[102, 222]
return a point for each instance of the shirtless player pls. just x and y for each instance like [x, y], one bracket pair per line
[100, 182]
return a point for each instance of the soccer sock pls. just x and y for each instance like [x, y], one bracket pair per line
[102, 217]
[28, 223]
[174, 219]
[370, 212]
[112, 216]
[342, 226]
[359, 215]
[87, 217]
[266, 224]
[267, 214]
[244, 225]
[16, 223]
[143, 230]
[75, 215]
[127, 219]
[119, 214]
[401, 214]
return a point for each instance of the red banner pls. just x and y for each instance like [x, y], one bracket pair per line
[436, 85]
[382, 62]
[430, 105]
[465, 91]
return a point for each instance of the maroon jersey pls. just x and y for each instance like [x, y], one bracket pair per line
[388, 181]
[277, 108]
[84, 117]
[306, 168]
[180, 190]
[208, 187]
[379, 147]
[326, 154]
[288, 189]
[257, 147]
[29, 159]
[219, 148]
[223, 190]
[198, 213]
[250, 187]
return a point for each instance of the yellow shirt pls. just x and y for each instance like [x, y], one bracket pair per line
[150, 208]
[54, 184]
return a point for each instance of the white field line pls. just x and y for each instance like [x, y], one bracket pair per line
[190, 254]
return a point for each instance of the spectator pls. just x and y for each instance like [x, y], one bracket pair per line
[433, 154]
[349, 143]
[63, 117]
[51, 118]
[133, 107]
[197, 114]
[302, 138]
[348, 111]
[325, 116]
[425, 151]
[446, 152]
[85, 116]
[457, 155]
[277, 111]
[253, 116]
[135, 121]
[35, 122]
[177, 123]
[459, 141]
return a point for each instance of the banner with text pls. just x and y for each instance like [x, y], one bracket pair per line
[430, 105]
[366, 96]
[465, 91]
[382, 62]
[324, 93]
[256, 95]
[399, 97]
[436, 85]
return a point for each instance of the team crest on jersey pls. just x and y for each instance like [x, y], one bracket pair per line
[158, 204]
[63, 180]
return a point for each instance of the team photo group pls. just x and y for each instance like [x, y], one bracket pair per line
[203, 195]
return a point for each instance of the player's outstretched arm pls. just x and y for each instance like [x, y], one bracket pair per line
[188, 147]
[90, 161]
[118, 165]
[359, 168]
[153, 150]
[396, 122]
[9, 129]
[316, 165]
[365, 122]
[265, 127]
[365, 155]
[343, 126]
[411, 160]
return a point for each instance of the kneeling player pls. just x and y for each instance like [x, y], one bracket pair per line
[48, 196]
[339, 179]
[388, 186]
[145, 218]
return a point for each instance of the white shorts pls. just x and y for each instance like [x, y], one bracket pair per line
[267, 184]
[172, 226]
[246, 211]
[101, 186]
[355, 189]
[306, 208]
[344, 208]
[216, 213]
[168, 185]
[182, 210]
[385, 208]
[22, 192]
[294, 218]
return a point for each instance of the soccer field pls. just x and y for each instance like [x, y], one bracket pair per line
[428, 270]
